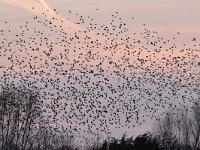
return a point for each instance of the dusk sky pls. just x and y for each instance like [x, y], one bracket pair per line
[167, 17]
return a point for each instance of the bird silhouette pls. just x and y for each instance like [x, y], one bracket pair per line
[102, 76]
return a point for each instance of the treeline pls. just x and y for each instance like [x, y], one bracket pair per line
[23, 126]
[179, 129]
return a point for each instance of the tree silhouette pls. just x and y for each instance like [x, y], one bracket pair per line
[146, 142]
[196, 125]
[166, 131]
[19, 114]
[22, 127]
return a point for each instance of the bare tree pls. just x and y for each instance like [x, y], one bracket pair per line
[196, 125]
[19, 111]
[186, 128]
[67, 139]
[178, 127]
[165, 128]
[49, 139]
[93, 143]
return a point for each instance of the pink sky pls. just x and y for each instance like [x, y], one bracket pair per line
[166, 15]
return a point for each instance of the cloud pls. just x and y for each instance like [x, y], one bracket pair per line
[40, 6]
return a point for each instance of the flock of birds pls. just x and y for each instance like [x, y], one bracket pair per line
[101, 76]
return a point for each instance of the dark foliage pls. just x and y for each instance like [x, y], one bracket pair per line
[146, 142]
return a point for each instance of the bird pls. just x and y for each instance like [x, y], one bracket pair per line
[102, 76]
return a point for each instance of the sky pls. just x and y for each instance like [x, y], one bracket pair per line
[167, 17]
[182, 15]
